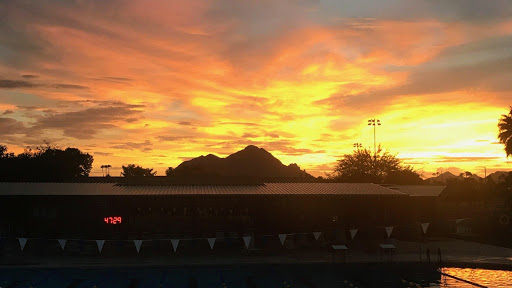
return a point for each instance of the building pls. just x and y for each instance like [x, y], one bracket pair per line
[113, 211]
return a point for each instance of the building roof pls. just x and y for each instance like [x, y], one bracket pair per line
[65, 189]
[418, 190]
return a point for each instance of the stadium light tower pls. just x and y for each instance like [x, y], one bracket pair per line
[358, 145]
[374, 122]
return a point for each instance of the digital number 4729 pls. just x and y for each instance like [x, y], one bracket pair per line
[113, 220]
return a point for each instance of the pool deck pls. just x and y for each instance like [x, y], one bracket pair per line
[457, 253]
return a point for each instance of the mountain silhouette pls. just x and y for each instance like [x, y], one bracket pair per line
[441, 178]
[497, 177]
[249, 162]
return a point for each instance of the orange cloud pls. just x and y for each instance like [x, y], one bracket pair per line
[155, 82]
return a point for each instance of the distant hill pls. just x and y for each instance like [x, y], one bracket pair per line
[498, 176]
[441, 178]
[495, 176]
[448, 175]
[249, 162]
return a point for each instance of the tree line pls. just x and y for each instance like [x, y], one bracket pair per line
[45, 163]
[51, 163]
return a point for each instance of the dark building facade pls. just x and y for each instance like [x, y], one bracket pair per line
[111, 211]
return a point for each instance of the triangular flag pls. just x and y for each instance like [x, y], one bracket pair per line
[282, 237]
[317, 235]
[175, 243]
[353, 233]
[138, 243]
[247, 241]
[389, 230]
[424, 227]
[459, 220]
[100, 244]
[62, 243]
[22, 241]
[211, 241]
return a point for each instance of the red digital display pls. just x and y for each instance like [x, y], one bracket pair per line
[113, 220]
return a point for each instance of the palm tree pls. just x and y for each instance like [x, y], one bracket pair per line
[505, 132]
[108, 170]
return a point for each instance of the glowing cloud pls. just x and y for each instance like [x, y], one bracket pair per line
[156, 82]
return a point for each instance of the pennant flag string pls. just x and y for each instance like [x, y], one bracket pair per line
[247, 241]
[211, 241]
[282, 238]
[22, 241]
[353, 233]
[62, 243]
[100, 244]
[424, 227]
[137, 243]
[175, 243]
[389, 230]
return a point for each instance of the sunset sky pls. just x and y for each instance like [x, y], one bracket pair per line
[158, 82]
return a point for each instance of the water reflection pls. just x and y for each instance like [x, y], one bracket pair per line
[490, 278]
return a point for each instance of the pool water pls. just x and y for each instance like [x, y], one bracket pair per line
[485, 277]
[252, 276]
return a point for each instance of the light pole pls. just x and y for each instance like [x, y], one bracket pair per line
[374, 122]
[485, 173]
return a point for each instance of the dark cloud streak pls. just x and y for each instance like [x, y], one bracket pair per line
[9, 126]
[86, 123]
[29, 76]
[145, 146]
[13, 84]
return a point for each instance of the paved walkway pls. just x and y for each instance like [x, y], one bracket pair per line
[454, 252]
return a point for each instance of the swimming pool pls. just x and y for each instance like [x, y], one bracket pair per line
[252, 276]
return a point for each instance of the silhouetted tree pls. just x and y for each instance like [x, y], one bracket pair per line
[132, 170]
[464, 189]
[4, 152]
[505, 131]
[363, 166]
[44, 163]
[168, 171]
[404, 176]
[466, 174]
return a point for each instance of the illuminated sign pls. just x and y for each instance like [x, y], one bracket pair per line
[113, 220]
